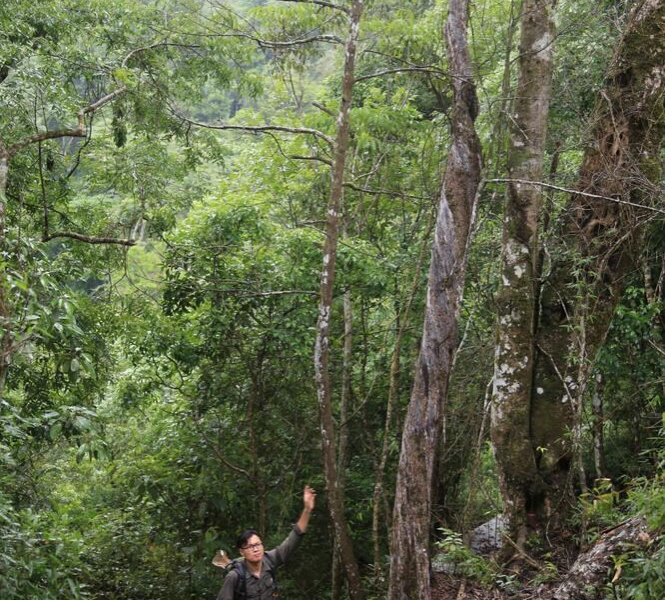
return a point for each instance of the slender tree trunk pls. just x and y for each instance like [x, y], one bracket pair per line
[410, 552]
[621, 162]
[598, 427]
[342, 452]
[402, 321]
[321, 350]
[5, 334]
[517, 299]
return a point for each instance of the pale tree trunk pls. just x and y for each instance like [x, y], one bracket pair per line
[517, 299]
[621, 164]
[342, 451]
[5, 335]
[321, 350]
[410, 552]
[598, 427]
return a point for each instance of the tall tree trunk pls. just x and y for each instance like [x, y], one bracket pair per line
[342, 452]
[402, 320]
[598, 428]
[321, 350]
[410, 552]
[517, 299]
[621, 165]
[5, 333]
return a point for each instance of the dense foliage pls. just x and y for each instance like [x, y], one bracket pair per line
[159, 389]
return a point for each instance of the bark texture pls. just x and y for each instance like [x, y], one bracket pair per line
[621, 162]
[410, 552]
[321, 350]
[517, 299]
[592, 570]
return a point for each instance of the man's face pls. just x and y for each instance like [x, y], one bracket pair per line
[252, 551]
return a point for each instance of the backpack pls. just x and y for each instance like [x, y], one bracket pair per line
[240, 590]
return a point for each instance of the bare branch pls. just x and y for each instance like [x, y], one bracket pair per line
[320, 3]
[258, 128]
[88, 239]
[68, 132]
[315, 38]
[429, 70]
[45, 135]
[377, 192]
[325, 161]
[577, 192]
[316, 158]
[324, 109]
[156, 45]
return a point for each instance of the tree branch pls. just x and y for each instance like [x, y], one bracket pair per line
[321, 3]
[258, 128]
[324, 109]
[377, 192]
[58, 133]
[156, 45]
[577, 192]
[402, 70]
[88, 239]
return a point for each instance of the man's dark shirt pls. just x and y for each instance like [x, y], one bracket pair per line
[260, 588]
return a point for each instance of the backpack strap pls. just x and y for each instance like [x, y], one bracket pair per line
[271, 569]
[240, 589]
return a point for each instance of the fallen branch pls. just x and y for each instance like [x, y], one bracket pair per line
[587, 578]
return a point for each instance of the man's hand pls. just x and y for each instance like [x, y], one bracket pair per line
[309, 499]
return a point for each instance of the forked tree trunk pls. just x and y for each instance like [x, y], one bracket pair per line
[321, 349]
[621, 163]
[410, 551]
[517, 299]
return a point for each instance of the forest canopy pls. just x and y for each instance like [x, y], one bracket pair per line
[407, 252]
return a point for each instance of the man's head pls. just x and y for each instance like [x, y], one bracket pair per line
[250, 546]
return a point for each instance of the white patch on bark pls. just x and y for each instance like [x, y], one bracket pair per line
[544, 42]
[540, 391]
[519, 271]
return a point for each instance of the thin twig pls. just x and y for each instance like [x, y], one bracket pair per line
[428, 70]
[320, 3]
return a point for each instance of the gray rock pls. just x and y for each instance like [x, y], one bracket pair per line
[487, 538]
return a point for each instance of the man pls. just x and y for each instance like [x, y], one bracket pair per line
[257, 566]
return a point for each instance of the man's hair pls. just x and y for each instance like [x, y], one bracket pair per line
[244, 537]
